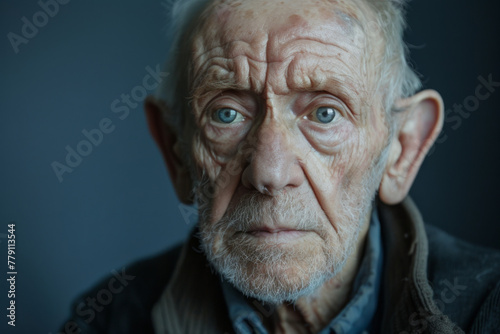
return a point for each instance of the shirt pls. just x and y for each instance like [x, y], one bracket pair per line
[356, 317]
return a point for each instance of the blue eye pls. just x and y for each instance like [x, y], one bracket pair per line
[325, 114]
[227, 115]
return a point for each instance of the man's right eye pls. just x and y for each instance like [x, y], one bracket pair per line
[227, 116]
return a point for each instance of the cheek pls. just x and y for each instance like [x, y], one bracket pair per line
[333, 154]
[226, 183]
[208, 164]
[224, 145]
[222, 176]
[377, 127]
[360, 179]
[337, 179]
[331, 141]
[214, 149]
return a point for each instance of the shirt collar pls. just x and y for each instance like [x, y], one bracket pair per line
[246, 314]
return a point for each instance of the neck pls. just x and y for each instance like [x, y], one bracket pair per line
[310, 314]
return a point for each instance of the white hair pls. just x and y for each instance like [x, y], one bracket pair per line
[181, 20]
[396, 75]
[396, 78]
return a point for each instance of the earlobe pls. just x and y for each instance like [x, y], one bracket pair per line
[168, 143]
[421, 123]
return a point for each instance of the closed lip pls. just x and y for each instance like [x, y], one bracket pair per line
[273, 230]
[266, 231]
[276, 235]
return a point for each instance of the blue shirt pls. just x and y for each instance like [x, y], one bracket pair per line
[356, 317]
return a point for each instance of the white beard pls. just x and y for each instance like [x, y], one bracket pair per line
[277, 273]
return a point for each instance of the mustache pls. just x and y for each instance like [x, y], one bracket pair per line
[254, 211]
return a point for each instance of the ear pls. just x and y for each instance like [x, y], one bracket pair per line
[418, 129]
[168, 142]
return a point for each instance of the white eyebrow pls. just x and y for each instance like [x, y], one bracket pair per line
[348, 21]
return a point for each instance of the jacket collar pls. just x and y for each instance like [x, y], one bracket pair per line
[407, 296]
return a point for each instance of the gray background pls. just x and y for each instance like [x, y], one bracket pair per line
[117, 205]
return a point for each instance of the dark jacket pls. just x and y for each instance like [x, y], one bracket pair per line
[432, 283]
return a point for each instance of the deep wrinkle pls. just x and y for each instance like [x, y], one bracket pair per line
[288, 67]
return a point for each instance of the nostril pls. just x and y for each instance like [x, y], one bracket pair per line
[265, 191]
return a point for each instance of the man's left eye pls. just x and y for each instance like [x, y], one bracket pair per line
[227, 116]
[324, 115]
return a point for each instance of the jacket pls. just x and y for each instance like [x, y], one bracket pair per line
[432, 283]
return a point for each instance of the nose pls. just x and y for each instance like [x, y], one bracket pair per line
[273, 164]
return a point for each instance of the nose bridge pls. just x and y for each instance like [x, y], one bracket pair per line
[271, 147]
[273, 164]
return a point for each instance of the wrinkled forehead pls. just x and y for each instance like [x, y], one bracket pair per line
[225, 21]
[267, 32]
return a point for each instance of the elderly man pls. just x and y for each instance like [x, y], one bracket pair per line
[299, 127]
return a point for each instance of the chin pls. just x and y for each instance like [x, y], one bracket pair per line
[278, 249]
[276, 272]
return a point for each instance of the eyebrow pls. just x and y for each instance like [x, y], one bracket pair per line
[209, 86]
[222, 76]
[348, 22]
[209, 81]
[337, 84]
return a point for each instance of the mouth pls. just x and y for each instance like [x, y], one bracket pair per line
[276, 234]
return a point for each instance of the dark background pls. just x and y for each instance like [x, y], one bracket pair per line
[118, 205]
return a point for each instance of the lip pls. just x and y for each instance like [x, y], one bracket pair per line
[276, 234]
[271, 230]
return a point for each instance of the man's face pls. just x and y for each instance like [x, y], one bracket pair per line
[288, 143]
